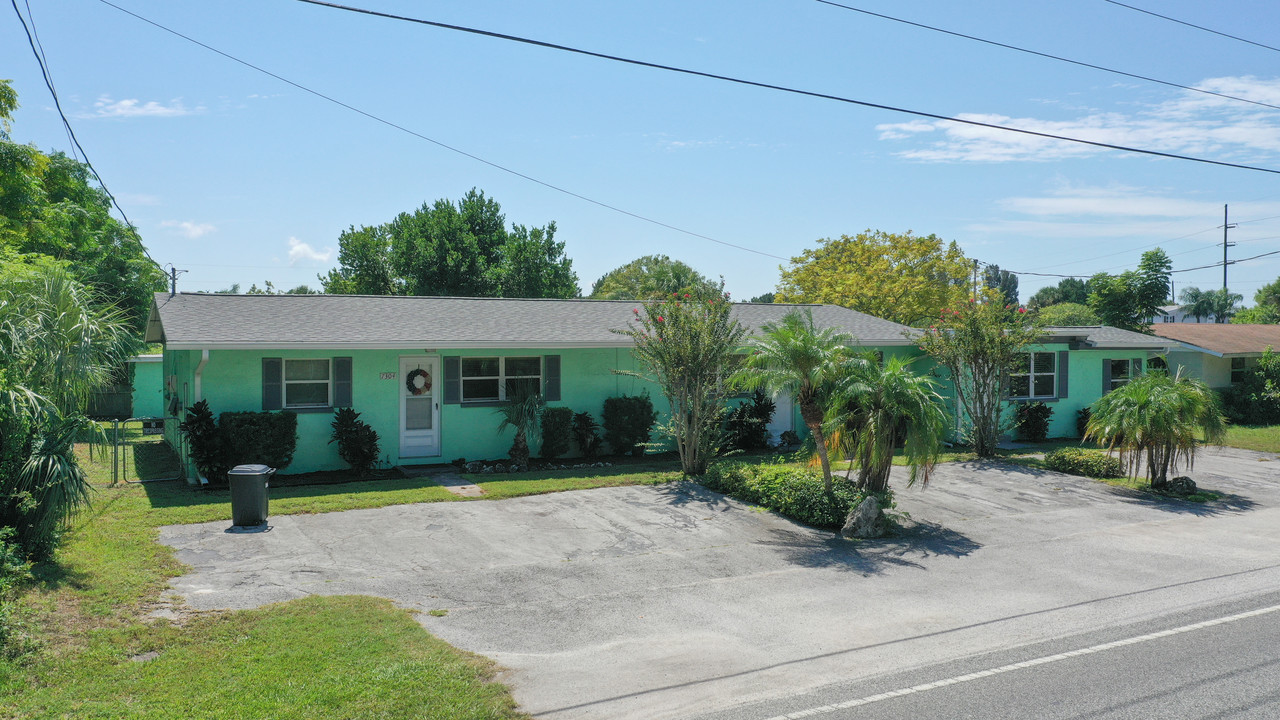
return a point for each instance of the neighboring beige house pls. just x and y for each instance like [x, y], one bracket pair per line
[1218, 354]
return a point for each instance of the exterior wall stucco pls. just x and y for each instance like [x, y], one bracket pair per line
[1215, 371]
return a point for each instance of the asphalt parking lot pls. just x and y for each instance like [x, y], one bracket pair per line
[654, 602]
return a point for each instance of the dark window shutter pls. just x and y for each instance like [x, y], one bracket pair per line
[342, 382]
[453, 380]
[1106, 376]
[1062, 372]
[551, 378]
[272, 383]
[1135, 368]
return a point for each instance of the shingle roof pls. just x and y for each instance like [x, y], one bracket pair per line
[1226, 339]
[1105, 336]
[195, 320]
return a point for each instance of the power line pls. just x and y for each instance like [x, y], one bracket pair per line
[1048, 55]
[48, 81]
[445, 146]
[1123, 252]
[1199, 267]
[779, 88]
[1192, 25]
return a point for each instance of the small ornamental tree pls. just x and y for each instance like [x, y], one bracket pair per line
[979, 344]
[685, 343]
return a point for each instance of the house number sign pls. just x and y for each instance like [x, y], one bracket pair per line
[387, 376]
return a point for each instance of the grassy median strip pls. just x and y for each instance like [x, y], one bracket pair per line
[317, 657]
[1265, 438]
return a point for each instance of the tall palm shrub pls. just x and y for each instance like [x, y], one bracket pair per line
[57, 344]
[521, 412]
[685, 343]
[1155, 420]
[875, 405]
[802, 360]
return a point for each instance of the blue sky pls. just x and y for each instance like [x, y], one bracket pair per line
[237, 177]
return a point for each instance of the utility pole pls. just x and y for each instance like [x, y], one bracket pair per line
[1225, 227]
[173, 280]
[975, 279]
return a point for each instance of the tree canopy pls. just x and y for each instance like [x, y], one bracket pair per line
[1003, 282]
[651, 277]
[1068, 315]
[462, 249]
[901, 277]
[1131, 299]
[53, 215]
[1068, 290]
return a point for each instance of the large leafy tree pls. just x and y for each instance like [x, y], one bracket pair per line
[1266, 308]
[875, 405]
[686, 343]
[800, 359]
[1003, 282]
[51, 210]
[1067, 315]
[459, 249]
[652, 277]
[980, 344]
[1157, 420]
[1129, 300]
[1068, 290]
[901, 277]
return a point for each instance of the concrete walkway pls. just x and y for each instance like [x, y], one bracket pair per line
[672, 601]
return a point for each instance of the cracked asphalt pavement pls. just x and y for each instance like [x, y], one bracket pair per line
[660, 602]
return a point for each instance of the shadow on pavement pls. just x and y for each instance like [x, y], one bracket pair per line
[905, 548]
[1223, 504]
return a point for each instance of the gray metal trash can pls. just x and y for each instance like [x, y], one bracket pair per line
[249, 494]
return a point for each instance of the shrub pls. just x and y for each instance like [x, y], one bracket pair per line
[747, 425]
[789, 438]
[1033, 421]
[794, 492]
[627, 421]
[357, 442]
[1082, 420]
[557, 430]
[1255, 400]
[268, 438]
[586, 432]
[15, 638]
[1089, 463]
[205, 442]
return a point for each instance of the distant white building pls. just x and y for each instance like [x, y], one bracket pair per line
[1174, 314]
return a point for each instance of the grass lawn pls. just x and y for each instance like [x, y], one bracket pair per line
[318, 657]
[1261, 438]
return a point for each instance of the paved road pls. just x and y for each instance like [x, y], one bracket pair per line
[670, 602]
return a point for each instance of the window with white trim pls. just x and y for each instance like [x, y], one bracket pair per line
[495, 379]
[307, 382]
[1122, 371]
[1034, 376]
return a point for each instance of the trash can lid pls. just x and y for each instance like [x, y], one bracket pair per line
[251, 470]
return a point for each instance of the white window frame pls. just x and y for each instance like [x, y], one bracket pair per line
[285, 382]
[502, 377]
[1031, 376]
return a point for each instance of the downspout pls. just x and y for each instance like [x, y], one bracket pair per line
[196, 382]
[204, 360]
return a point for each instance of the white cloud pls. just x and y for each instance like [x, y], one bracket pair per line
[1193, 123]
[190, 229]
[299, 251]
[105, 107]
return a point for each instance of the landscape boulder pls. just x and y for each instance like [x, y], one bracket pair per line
[865, 520]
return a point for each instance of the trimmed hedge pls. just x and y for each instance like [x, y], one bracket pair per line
[627, 422]
[1089, 463]
[268, 438]
[794, 492]
[557, 431]
[1033, 421]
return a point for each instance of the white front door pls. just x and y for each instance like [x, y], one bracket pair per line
[419, 406]
[783, 417]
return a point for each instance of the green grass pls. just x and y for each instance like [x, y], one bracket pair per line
[319, 657]
[1260, 438]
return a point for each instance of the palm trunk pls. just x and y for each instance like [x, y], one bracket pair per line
[812, 416]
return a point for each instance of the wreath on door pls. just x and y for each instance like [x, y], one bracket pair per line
[412, 385]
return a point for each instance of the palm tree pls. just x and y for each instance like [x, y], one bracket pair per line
[521, 413]
[804, 361]
[875, 405]
[1223, 304]
[1196, 303]
[56, 346]
[1154, 419]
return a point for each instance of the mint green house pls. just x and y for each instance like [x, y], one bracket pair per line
[424, 372]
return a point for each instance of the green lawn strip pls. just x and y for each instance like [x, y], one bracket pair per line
[1128, 483]
[1260, 438]
[316, 657]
